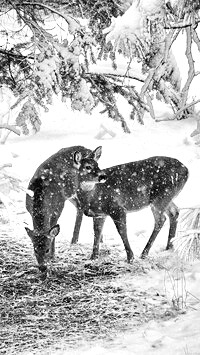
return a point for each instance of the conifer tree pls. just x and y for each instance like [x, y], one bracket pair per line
[36, 63]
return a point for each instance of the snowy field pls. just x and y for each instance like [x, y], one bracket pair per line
[63, 128]
[178, 282]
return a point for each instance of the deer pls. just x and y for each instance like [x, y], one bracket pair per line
[115, 191]
[54, 182]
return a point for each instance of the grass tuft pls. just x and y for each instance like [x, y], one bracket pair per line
[187, 240]
[79, 300]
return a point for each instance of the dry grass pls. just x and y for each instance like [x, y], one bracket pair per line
[78, 300]
[187, 240]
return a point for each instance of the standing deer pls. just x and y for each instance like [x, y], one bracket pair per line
[54, 182]
[120, 189]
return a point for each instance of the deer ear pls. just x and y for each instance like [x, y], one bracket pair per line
[54, 231]
[97, 153]
[29, 232]
[77, 159]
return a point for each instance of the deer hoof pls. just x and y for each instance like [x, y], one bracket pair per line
[144, 255]
[94, 256]
[130, 259]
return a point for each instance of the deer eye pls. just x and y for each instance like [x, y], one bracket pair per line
[47, 251]
[88, 167]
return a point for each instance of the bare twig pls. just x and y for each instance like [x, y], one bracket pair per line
[170, 38]
[10, 128]
[129, 64]
[186, 107]
[147, 82]
[149, 103]
[196, 39]
[8, 165]
[182, 24]
[191, 71]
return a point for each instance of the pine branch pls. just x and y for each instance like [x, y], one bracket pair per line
[32, 24]
[104, 91]
[51, 9]
[11, 54]
[133, 77]
[117, 75]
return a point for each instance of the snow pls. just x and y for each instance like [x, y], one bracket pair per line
[130, 24]
[151, 7]
[61, 128]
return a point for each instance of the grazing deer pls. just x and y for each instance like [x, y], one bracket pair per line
[120, 189]
[54, 182]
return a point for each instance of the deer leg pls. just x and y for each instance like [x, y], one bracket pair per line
[53, 249]
[98, 226]
[54, 219]
[79, 217]
[119, 218]
[159, 218]
[173, 213]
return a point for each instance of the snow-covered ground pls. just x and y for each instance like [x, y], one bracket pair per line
[62, 128]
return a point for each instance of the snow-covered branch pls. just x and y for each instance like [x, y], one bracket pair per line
[142, 34]
[118, 75]
[72, 22]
